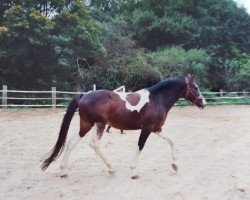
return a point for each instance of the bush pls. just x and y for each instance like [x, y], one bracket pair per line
[176, 61]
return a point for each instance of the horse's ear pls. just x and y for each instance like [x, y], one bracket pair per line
[190, 78]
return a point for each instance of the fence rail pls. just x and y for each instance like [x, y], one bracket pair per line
[56, 98]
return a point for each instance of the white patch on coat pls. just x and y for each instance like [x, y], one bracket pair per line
[144, 98]
[203, 99]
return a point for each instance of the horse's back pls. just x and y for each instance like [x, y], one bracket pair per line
[105, 106]
[95, 102]
[94, 98]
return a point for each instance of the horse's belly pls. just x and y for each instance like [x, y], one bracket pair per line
[124, 126]
[125, 121]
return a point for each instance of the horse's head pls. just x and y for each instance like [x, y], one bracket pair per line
[192, 93]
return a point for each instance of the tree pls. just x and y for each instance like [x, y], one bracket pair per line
[37, 51]
[176, 61]
[218, 27]
[24, 53]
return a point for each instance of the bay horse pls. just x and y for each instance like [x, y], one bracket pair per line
[145, 109]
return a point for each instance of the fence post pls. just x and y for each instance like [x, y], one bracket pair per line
[221, 94]
[4, 96]
[244, 95]
[53, 97]
[94, 87]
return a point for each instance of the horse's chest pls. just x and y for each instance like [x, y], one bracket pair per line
[157, 127]
[158, 120]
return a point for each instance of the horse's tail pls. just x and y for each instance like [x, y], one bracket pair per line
[59, 146]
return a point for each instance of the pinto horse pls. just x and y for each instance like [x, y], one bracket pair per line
[145, 109]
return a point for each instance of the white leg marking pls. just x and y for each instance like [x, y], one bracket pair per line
[95, 144]
[165, 137]
[74, 139]
[134, 164]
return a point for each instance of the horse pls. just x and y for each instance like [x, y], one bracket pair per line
[145, 109]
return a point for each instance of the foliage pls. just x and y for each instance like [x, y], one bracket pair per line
[23, 47]
[176, 61]
[219, 27]
[243, 76]
[131, 43]
[37, 51]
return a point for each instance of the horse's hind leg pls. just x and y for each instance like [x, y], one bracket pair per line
[95, 144]
[169, 141]
[73, 140]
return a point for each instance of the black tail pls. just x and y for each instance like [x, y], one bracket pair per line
[59, 146]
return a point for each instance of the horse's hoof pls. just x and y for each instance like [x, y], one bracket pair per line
[174, 166]
[135, 177]
[64, 176]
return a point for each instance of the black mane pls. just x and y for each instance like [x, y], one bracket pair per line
[168, 83]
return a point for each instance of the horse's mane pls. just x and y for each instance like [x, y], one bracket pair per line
[168, 83]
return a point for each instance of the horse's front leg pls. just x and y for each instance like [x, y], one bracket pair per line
[145, 132]
[169, 141]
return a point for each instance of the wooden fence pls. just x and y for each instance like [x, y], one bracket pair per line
[54, 98]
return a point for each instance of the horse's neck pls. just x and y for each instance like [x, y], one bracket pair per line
[169, 97]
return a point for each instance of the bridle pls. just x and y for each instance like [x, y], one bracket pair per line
[191, 92]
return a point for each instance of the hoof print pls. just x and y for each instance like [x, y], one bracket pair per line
[174, 166]
[135, 177]
[64, 176]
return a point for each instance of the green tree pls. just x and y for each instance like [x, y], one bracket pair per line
[24, 53]
[37, 51]
[176, 61]
[218, 27]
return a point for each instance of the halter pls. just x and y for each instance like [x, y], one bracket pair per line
[190, 91]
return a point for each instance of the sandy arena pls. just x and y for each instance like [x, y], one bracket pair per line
[213, 156]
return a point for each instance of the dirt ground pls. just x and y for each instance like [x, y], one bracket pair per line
[213, 155]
